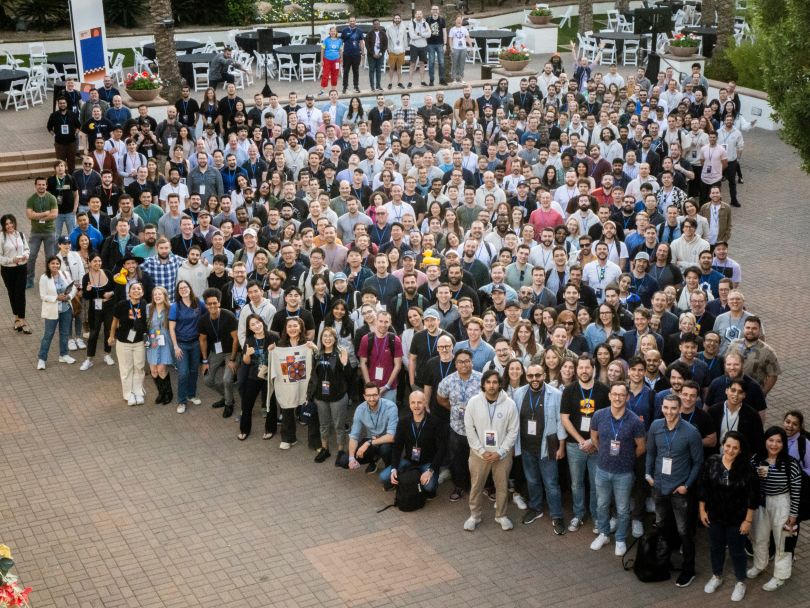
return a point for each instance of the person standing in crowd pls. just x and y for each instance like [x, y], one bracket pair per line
[436, 43]
[328, 387]
[397, 34]
[98, 292]
[729, 497]
[259, 343]
[332, 54]
[353, 47]
[418, 34]
[159, 352]
[492, 426]
[184, 315]
[41, 208]
[219, 346]
[460, 41]
[56, 289]
[14, 253]
[673, 464]
[297, 373]
[128, 331]
[376, 44]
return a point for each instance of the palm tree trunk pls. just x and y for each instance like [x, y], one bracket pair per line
[585, 16]
[725, 24]
[622, 5]
[708, 8]
[165, 50]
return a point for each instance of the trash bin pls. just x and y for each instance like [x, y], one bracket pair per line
[486, 72]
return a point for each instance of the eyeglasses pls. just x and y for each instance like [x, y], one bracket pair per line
[530, 376]
[567, 323]
[444, 346]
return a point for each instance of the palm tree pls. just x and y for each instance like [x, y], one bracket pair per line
[708, 7]
[163, 30]
[585, 16]
[725, 24]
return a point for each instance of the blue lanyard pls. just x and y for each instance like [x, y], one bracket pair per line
[380, 288]
[587, 399]
[491, 409]
[534, 404]
[667, 438]
[613, 428]
[432, 348]
[443, 373]
[634, 402]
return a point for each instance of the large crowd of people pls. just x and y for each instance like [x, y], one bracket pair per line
[525, 292]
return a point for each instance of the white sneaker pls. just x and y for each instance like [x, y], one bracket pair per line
[519, 502]
[195, 400]
[595, 529]
[132, 400]
[67, 359]
[505, 522]
[284, 445]
[40, 364]
[621, 548]
[613, 524]
[739, 592]
[753, 572]
[81, 344]
[86, 364]
[575, 525]
[714, 582]
[471, 524]
[181, 408]
[774, 584]
[599, 542]
[139, 399]
[109, 360]
[444, 475]
[638, 528]
[72, 344]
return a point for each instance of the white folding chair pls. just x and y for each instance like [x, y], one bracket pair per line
[287, 69]
[247, 61]
[474, 24]
[259, 63]
[608, 52]
[71, 71]
[613, 20]
[624, 25]
[238, 78]
[17, 94]
[308, 67]
[117, 68]
[12, 61]
[630, 56]
[473, 53]
[231, 38]
[200, 72]
[566, 19]
[493, 47]
[52, 75]
[298, 39]
[33, 89]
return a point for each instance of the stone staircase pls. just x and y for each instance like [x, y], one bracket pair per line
[26, 165]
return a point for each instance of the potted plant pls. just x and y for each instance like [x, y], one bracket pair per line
[684, 46]
[143, 86]
[540, 16]
[514, 58]
[11, 592]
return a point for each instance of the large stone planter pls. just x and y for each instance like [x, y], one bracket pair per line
[683, 51]
[143, 94]
[539, 19]
[514, 66]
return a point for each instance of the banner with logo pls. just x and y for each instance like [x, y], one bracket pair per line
[89, 39]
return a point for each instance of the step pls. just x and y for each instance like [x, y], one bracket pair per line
[13, 176]
[46, 154]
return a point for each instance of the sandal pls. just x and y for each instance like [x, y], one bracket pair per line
[241, 436]
[26, 329]
[267, 436]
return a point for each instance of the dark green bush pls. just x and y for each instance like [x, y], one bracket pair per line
[125, 13]
[372, 8]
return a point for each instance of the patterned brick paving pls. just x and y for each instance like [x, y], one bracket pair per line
[111, 506]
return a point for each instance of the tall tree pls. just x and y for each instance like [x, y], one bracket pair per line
[725, 23]
[161, 14]
[585, 16]
[781, 27]
[708, 8]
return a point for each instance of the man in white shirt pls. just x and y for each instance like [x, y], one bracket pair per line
[601, 272]
[311, 116]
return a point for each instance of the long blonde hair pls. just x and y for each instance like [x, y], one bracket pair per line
[152, 309]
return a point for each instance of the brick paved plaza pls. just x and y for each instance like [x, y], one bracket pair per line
[106, 505]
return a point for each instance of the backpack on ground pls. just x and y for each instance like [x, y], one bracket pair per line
[651, 563]
[804, 499]
[409, 495]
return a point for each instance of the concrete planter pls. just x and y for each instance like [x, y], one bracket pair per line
[539, 19]
[683, 51]
[514, 66]
[143, 94]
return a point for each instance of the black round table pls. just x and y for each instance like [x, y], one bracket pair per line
[482, 36]
[58, 60]
[296, 50]
[187, 46]
[9, 76]
[363, 27]
[249, 41]
[619, 38]
[185, 63]
[709, 35]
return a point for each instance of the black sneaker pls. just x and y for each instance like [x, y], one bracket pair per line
[399, 84]
[559, 527]
[218, 404]
[735, 204]
[684, 579]
[342, 460]
[344, 90]
[322, 455]
[431, 83]
[371, 468]
[356, 90]
[443, 82]
[228, 411]
[410, 85]
[531, 515]
[390, 84]
[456, 494]
[423, 83]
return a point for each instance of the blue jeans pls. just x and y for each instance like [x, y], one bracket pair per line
[578, 463]
[430, 488]
[434, 51]
[65, 219]
[63, 323]
[720, 537]
[542, 473]
[375, 66]
[614, 487]
[188, 367]
[35, 241]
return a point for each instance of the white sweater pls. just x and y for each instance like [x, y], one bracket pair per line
[505, 422]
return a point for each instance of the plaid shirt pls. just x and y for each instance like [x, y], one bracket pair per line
[164, 275]
[407, 115]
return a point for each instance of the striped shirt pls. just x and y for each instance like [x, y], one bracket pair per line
[781, 480]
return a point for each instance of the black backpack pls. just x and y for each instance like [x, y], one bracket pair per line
[651, 564]
[804, 500]
[409, 496]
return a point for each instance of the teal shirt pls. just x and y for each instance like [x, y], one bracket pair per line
[149, 215]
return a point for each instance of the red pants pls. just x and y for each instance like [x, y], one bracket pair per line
[331, 68]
